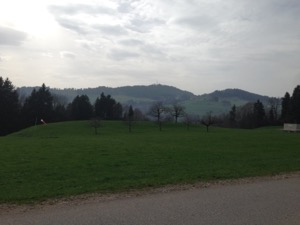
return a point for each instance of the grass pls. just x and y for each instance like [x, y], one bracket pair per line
[64, 159]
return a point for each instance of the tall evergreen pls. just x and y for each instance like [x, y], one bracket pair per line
[285, 107]
[259, 114]
[295, 105]
[38, 106]
[81, 108]
[130, 117]
[117, 111]
[232, 116]
[9, 107]
[107, 108]
[291, 107]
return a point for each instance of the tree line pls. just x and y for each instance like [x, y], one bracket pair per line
[17, 113]
[41, 105]
[256, 114]
[251, 115]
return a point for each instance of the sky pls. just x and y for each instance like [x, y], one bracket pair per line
[195, 45]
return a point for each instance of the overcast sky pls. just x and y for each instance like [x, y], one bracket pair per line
[195, 45]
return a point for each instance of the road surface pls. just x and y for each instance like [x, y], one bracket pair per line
[262, 201]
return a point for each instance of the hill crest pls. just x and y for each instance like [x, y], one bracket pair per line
[142, 96]
[242, 94]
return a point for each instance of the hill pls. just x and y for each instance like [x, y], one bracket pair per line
[66, 159]
[241, 94]
[155, 92]
[142, 97]
[219, 102]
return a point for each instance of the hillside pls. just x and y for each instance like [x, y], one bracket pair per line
[64, 159]
[219, 102]
[241, 94]
[142, 97]
[149, 93]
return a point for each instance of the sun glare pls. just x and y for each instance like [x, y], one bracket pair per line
[31, 17]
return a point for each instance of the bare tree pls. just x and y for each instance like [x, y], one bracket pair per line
[130, 118]
[138, 115]
[207, 120]
[177, 111]
[156, 110]
[188, 120]
[95, 123]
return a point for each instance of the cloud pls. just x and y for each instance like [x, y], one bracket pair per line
[153, 51]
[199, 22]
[120, 54]
[87, 18]
[67, 55]
[74, 9]
[198, 45]
[116, 30]
[131, 42]
[74, 16]
[47, 54]
[144, 25]
[125, 7]
[10, 36]
[74, 25]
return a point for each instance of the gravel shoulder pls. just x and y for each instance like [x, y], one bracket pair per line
[6, 209]
[253, 201]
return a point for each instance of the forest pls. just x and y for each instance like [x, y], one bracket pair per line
[41, 106]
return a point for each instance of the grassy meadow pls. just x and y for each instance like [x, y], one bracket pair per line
[65, 159]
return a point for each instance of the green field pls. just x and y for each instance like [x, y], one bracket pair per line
[64, 159]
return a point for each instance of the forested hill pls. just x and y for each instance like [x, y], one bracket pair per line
[238, 93]
[143, 96]
[152, 92]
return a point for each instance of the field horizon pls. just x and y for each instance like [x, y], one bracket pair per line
[67, 158]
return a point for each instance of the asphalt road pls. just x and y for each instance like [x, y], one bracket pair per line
[272, 201]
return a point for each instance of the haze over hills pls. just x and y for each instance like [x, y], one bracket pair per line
[142, 97]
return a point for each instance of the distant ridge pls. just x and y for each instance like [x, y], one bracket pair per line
[243, 95]
[154, 92]
[142, 97]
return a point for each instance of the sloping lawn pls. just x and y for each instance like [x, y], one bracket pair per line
[64, 159]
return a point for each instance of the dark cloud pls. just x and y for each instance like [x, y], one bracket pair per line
[290, 8]
[9, 36]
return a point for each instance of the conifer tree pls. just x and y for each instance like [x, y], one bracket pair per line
[38, 106]
[9, 107]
